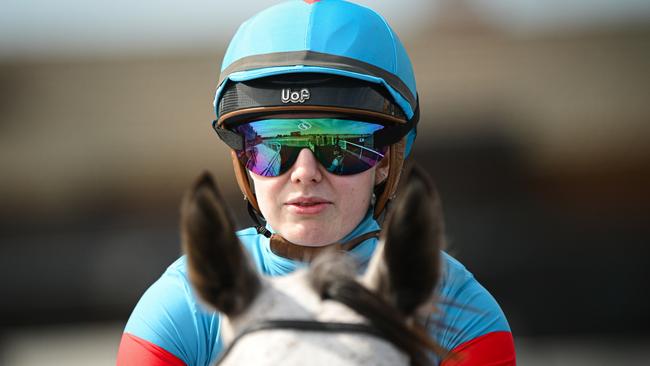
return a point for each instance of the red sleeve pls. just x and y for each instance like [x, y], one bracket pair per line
[492, 349]
[136, 351]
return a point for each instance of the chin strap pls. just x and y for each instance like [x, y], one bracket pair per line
[258, 219]
[287, 249]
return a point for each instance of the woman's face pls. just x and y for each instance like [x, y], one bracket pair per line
[310, 206]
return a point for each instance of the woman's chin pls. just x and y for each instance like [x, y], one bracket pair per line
[310, 236]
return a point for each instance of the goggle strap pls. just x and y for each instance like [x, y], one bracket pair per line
[312, 90]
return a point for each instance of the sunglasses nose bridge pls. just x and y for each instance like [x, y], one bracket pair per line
[306, 168]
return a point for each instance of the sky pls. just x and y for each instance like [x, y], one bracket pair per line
[46, 28]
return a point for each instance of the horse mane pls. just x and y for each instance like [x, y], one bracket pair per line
[333, 277]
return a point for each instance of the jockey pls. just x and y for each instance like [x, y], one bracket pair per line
[318, 102]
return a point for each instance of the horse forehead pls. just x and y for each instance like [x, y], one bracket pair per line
[297, 287]
[286, 297]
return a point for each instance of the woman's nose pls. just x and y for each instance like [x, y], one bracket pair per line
[306, 169]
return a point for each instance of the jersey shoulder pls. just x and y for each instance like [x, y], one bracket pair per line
[169, 316]
[467, 310]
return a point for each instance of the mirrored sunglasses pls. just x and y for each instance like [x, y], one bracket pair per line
[344, 147]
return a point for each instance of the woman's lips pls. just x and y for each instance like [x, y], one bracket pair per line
[307, 206]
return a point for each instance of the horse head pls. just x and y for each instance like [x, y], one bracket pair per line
[328, 314]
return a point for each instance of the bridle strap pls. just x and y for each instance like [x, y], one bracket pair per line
[304, 326]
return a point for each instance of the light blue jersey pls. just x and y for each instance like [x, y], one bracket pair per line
[170, 316]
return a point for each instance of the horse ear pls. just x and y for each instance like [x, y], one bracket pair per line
[406, 268]
[218, 267]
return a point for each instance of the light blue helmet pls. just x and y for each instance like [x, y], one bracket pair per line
[333, 37]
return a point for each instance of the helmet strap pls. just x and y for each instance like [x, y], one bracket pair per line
[258, 219]
[397, 158]
[243, 181]
[251, 201]
[396, 162]
[284, 248]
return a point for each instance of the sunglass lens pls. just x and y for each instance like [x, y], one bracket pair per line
[348, 159]
[343, 147]
[269, 160]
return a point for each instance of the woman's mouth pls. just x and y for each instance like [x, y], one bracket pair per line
[307, 206]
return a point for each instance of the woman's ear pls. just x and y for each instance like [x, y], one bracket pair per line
[381, 172]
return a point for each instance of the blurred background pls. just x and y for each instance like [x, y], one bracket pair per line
[535, 124]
